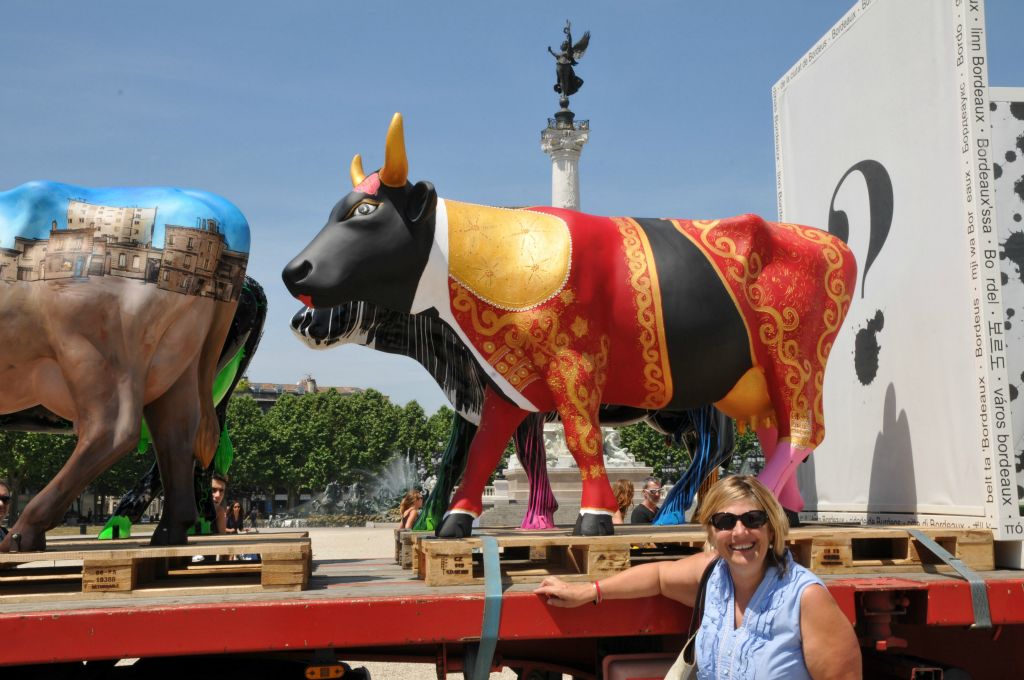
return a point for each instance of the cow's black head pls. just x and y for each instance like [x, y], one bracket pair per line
[375, 244]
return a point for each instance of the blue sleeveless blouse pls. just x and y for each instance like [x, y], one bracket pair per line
[767, 645]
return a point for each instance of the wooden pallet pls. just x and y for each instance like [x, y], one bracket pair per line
[527, 557]
[82, 568]
[405, 540]
[884, 550]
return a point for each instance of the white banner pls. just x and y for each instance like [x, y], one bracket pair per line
[878, 139]
[1007, 114]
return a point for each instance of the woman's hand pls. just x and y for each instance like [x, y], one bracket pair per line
[562, 594]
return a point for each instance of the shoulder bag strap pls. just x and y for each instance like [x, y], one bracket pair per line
[698, 609]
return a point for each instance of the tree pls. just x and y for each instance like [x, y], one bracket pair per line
[415, 439]
[368, 436]
[253, 469]
[29, 460]
[439, 430]
[748, 450]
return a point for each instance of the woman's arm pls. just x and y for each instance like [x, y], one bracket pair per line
[831, 650]
[677, 580]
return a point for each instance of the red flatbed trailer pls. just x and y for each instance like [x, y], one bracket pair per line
[371, 609]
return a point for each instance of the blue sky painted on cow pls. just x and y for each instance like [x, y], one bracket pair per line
[265, 103]
[30, 210]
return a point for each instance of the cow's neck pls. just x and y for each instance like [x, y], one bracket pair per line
[432, 292]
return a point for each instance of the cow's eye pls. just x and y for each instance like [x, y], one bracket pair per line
[364, 208]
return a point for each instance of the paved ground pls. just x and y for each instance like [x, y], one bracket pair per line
[336, 543]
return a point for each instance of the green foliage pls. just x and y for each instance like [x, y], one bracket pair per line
[748, 448]
[252, 470]
[29, 460]
[655, 449]
[439, 429]
[305, 442]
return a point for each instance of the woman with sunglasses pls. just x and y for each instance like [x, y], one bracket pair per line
[765, 616]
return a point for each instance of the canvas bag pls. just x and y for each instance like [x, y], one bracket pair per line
[685, 667]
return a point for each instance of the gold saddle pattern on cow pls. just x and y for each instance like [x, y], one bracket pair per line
[511, 259]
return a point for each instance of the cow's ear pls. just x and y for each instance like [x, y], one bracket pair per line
[422, 202]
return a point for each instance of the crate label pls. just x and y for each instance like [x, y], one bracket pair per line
[103, 579]
[455, 565]
[831, 556]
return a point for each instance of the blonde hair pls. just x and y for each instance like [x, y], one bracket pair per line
[408, 500]
[623, 491]
[741, 488]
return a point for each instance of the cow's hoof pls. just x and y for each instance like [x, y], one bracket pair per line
[169, 535]
[591, 524]
[456, 525]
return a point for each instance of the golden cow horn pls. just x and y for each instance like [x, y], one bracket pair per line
[396, 166]
[356, 170]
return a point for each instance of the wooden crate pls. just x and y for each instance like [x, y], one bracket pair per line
[405, 541]
[90, 568]
[527, 557]
[852, 550]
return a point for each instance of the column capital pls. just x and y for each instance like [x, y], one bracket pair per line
[556, 138]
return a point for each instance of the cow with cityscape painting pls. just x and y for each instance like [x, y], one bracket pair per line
[116, 305]
[565, 311]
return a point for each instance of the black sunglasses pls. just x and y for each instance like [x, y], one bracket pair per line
[752, 519]
[5, 499]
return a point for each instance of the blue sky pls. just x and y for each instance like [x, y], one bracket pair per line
[265, 104]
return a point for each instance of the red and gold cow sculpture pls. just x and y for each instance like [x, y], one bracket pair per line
[567, 311]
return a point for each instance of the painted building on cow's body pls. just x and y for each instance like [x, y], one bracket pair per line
[121, 225]
[101, 240]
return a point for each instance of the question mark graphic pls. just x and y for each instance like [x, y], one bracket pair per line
[880, 209]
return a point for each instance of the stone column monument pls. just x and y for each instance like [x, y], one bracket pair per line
[564, 137]
[563, 143]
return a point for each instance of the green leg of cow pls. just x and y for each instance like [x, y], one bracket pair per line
[449, 471]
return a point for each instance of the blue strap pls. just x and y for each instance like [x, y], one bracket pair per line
[979, 594]
[481, 666]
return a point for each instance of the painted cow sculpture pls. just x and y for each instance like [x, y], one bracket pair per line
[115, 305]
[565, 311]
[432, 343]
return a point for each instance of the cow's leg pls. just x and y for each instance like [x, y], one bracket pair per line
[529, 440]
[108, 425]
[789, 495]
[208, 436]
[779, 473]
[583, 437]
[497, 423]
[174, 424]
[449, 470]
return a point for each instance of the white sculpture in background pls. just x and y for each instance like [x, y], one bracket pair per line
[558, 456]
[615, 455]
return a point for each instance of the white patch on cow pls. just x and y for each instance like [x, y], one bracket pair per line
[432, 291]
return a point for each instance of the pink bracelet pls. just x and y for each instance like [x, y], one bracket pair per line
[598, 598]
